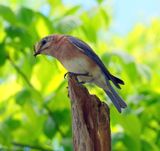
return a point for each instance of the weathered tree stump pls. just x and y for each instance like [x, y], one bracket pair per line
[90, 119]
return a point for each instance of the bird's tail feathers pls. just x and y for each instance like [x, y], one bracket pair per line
[115, 98]
[116, 81]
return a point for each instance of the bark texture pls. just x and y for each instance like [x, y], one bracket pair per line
[90, 119]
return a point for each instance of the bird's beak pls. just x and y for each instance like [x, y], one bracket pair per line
[37, 52]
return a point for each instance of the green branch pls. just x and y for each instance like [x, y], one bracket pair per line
[20, 72]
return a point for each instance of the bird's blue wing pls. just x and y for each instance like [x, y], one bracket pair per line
[90, 53]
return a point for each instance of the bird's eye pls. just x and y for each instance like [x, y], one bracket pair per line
[43, 42]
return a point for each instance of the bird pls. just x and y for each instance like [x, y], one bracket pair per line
[80, 59]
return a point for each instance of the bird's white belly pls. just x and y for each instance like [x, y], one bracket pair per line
[81, 66]
[78, 65]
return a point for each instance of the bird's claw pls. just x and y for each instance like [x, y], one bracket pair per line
[70, 74]
[80, 83]
[66, 75]
[76, 74]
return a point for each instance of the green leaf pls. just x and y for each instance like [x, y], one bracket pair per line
[43, 23]
[49, 127]
[132, 71]
[132, 128]
[7, 14]
[3, 107]
[148, 146]
[129, 65]
[20, 37]
[12, 123]
[131, 143]
[5, 134]
[3, 56]
[23, 96]
[25, 16]
[62, 114]
[106, 57]
[128, 122]
[105, 16]
[99, 1]
[145, 71]
[50, 69]
[72, 11]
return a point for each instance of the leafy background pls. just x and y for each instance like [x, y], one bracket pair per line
[34, 107]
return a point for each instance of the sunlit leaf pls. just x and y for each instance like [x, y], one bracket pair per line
[42, 23]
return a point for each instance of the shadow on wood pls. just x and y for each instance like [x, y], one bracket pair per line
[90, 119]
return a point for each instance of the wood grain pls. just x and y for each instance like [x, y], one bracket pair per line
[90, 119]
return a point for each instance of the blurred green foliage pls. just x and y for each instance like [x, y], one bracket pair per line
[34, 107]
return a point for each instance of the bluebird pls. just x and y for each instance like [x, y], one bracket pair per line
[79, 59]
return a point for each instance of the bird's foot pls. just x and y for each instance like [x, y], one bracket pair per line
[80, 83]
[76, 74]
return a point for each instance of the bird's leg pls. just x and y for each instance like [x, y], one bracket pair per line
[76, 75]
[80, 83]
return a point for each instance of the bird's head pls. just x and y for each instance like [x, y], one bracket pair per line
[46, 45]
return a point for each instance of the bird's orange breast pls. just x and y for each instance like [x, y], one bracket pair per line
[73, 59]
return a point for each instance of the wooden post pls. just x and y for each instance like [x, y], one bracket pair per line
[90, 119]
